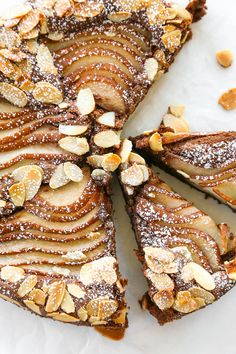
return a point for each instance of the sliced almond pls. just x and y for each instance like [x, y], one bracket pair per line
[38, 296]
[29, 22]
[110, 162]
[12, 274]
[47, 93]
[73, 172]
[19, 173]
[125, 150]
[230, 268]
[17, 193]
[59, 178]
[56, 295]
[13, 94]
[177, 111]
[132, 176]
[228, 100]
[72, 129]
[119, 16]
[14, 55]
[185, 302]
[32, 306]
[32, 181]
[78, 146]
[17, 11]
[151, 68]
[172, 40]
[83, 314]
[225, 58]
[194, 271]
[27, 285]
[99, 270]
[182, 12]
[45, 60]
[179, 125]
[2, 203]
[108, 119]
[63, 317]
[164, 299]
[160, 254]
[136, 158]
[74, 256]
[76, 291]
[155, 142]
[161, 281]
[101, 308]
[85, 101]
[67, 304]
[95, 160]
[197, 292]
[106, 139]
[62, 7]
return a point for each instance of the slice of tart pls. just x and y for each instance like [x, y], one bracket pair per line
[187, 259]
[205, 160]
[58, 257]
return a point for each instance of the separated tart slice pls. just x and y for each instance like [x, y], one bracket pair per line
[205, 160]
[57, 253]
[188, 260]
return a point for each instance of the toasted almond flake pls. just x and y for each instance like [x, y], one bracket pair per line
[172, 40]
[72, 129]
[62, 7]
[136, 158]
[151, 68]
[228, 100]
[95, 160]
[110, 162]
[164, 299]
[31, 35]
[19, 173]
[32, 181]
[12, 274]
[78, 146]
[14, 55]
[56, 295]
[132, 176]
[32, 306]
[194, 271]
[74, 255]
[160, 254]
[29, 22]
[108, 119]
[99, 270]
[99, 174]
[38, 296]
[59, 178]
[16, 11]
[183, 251]
[125, 150]
[47, 93]
[67, 304]
[178, 124]
[13, 94]
[182, 12]
[177, 111]
[83, 314]
[186, 303]
[27, 285]
[76, 291]
[63, 317]
[197, 292]
[155, 142]
[225, 58]
[45, 60]
[106, 139]
[85, 101]
[17, 193]
[230, 268]
[73, 172]
[119, 16]
[160, 281]
[2, 203]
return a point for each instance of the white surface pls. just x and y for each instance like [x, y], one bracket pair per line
[196, 81]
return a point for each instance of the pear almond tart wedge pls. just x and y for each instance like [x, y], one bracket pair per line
[57, 253]
[207, 161]
[188, 260]
[98, 56]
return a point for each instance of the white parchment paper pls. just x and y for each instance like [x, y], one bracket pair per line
[197, 81]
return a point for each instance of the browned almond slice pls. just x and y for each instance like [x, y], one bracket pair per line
[56, 295]
[13, 94]
[133, 157]
[38, 296]
[19, 10]
[132, 176]
[172, 40]
[14, 55]
[78, 146]
[29, 22]
[99, 270]
[72, 129]
[27, 285]
[76, 291]
[83, 314]
[59, 178]
[67, 304]
[225, 58]
[155, 142]
[47, 93]
[194, 271]
[228, 100]
[85, 101]
[19, 173]
[125, 150]
[178, 124]
[106, 139]
[62, 7]
[151, 68]
[73, 172]
[63, 317]
[17, 193]
[177, 111]
[110, 162]
[45, 60]
[164, 299]
[32, 181]
[32, 306]
[108, 119]
[182, 12]
[12, 274]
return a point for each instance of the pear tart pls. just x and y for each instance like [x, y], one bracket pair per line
[206, 161]
[57, 256]
[187, 259]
